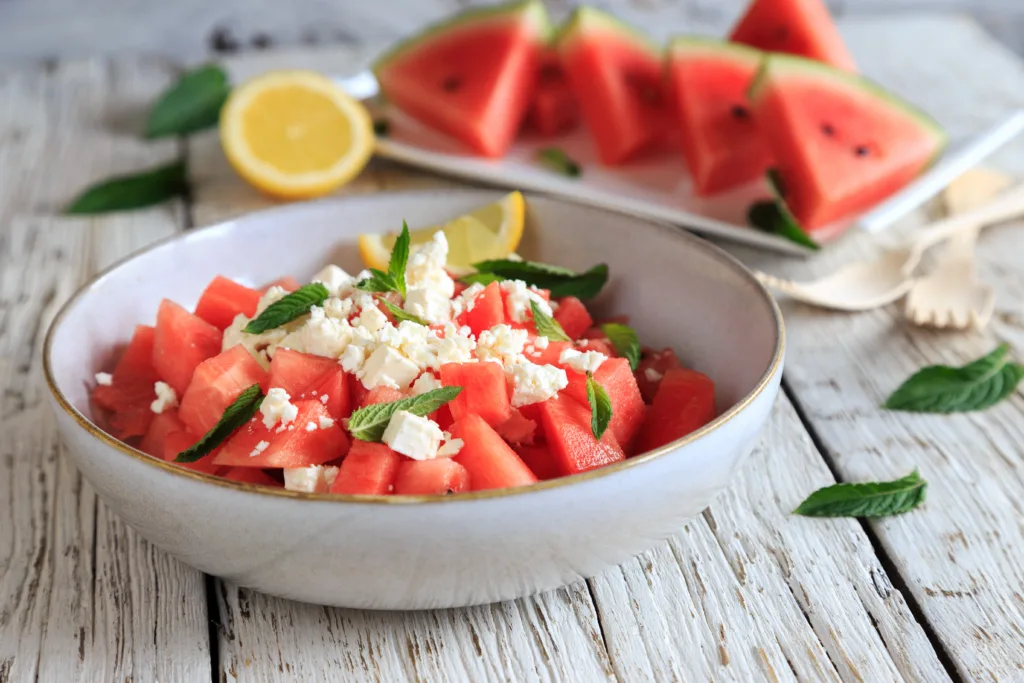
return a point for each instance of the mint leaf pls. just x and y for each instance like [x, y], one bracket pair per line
[944, 389]
[600, 407]
[135, 191]
[871, 499]
[480, 278]
[235, 416]
[558, 161]
[192, 104]
[399, 257]
[559, 281]
[546, 325]
[625, 341]
[401, 314]
[773, 216]
[288, 308]
[378, 281]
[369, 423]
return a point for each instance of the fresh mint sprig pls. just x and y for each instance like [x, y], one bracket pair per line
[394, 279]
[136, 191]
[288, 308]
[401, 314]
[192, 104]
[234, 417]
[625, 341]
[546, 325]
[558, 161]
[600, 407]
[369, 423]
[559, 281]
[869, 499]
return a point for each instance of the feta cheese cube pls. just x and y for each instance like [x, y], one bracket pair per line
[325, 422]
[588, 361]
[339, 309]
[413, 436]
[271, 296]
[541, 343]
[333, 278]
[165, 398]
[426, 382]
[277, 407]
[519, 298]
[314, 479]
[104, 379]
[387, 367]
[431, 305]
[320, 335]
[501, 344]
[450, 448]
[372, 319]
[536, 383]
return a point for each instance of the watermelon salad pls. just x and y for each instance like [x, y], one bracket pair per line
[780, 94]
[404, 382]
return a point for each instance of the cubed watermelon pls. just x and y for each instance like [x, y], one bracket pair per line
[484, 391]
[130, 392]
[570, 439]
[685, 402]
[161, 425]
[332, 390]
[653, 366]
[223, 299]
[380, 394]
[251, 475]
[440, 476]
[181, 342]
[488, 310]
[573, 316]
[216, 383]
[295, 446]
[550, 354]
[296, 372]
[517, 429]
[618, 381]
[368, 469]
[599, 345]
[540, 461]
[489, 460]
[177, 441]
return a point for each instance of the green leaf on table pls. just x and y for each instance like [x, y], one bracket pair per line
[559, 162]
[546, 325]
[135, 191]
[394, 279]
[625, 341]
[944, 389]
[600, 407]
[871, 499]
[369, 423]
[773, 216]
[235, 416]
[559, 281]
[400, 313]
[288, 308]
[192, 104]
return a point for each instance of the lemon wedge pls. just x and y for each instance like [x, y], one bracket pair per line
[490, 232]
[295, 134]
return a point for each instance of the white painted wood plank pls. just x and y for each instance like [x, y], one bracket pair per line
[960, 553]
[81, 597]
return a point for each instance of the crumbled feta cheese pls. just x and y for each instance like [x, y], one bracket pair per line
[277, 407]
[457, 346]
[324, 399]
[104, 379]
[426, 266]
[431, 305]
[467, 299]
[260, 447]
[261, 346]
[311, 426]
[372, 319]
[652, 375]
[535, 383]
[271, 296]
[588, 361]
[501, 344]
[320, 335]
[450, 448]
[165, 398]
[426, 382]
[338, 309]
[387, 367]
[519, 298]
[333, 278]
[413, 436]
[315, 479]
[540, 343]
[353, 358]
[325, 422]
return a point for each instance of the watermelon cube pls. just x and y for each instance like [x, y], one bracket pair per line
[540, 461]
[488, 310]
[163, 424]
[685, 402]
[181, 342]
[216, 383]
[368, 469]
[223, 299]
[573, 316]
[484, 391]
[518, 429]
[130, 391]
[618, 381]
[333, 391]
[489, 460]
[570, 439]
[177, 441]
[550, 354]
[380, 394]
[250, 475]
[295, 446]
[652, 368]
[296, 372]
[440, 476]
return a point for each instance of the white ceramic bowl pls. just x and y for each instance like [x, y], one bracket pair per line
[413, 552]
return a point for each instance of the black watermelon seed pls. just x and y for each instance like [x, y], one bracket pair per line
[861, 151]
[739, 111]
[827, 129]
[451, 84]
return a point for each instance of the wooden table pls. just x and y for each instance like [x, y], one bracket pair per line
[745, 592]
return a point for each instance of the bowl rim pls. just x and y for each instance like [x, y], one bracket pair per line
[692, 241]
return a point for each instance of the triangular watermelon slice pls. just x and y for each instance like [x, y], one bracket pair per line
[840, 142]
[798, 27]
[616, 74]
[709, 80]
[470, 77]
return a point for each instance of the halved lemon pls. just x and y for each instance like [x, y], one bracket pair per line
[490, 232]
[295, 134]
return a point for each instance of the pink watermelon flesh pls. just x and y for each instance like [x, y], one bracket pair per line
[798, 27]
[471, 77]
[841, 144]
[722, 144]
[616, 75]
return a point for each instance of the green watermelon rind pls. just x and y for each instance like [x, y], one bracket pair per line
[533, 9]
[714, 48]
[585, 19]
[831, 76]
